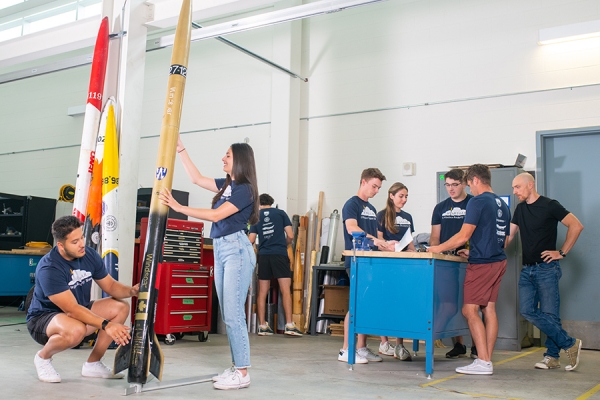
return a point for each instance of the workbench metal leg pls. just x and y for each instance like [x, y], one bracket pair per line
[415, 347]
[429, 356]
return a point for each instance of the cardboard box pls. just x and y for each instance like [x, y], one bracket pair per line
[336, 299]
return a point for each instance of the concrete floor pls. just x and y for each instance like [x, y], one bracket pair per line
[304, 368]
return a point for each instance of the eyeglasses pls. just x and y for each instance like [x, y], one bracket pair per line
[454, 185]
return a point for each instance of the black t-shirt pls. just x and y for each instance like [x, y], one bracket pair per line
[271, 231]
[538, 226]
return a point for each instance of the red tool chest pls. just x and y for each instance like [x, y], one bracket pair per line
[184, 285]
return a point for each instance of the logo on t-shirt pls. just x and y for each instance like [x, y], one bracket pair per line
[367, 213]
[227, 192]
[499, 213]
[401, 221]
[80, 278]
[455, 212]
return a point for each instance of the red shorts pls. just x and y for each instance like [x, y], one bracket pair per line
[482, 282]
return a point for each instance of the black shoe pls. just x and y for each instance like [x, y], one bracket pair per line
[457, 351]
[473, 352]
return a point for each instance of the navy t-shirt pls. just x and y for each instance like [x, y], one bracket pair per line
[450, 215]
[241, 197]
[270, 231]
[366, 217]
[403, 223]
[491, 217]
[538, 226]
[54, 275]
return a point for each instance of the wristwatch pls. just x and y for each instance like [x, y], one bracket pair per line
[104, 323]
[562, 253]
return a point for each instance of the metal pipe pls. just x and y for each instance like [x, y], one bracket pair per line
[434, 103]
[254, 55]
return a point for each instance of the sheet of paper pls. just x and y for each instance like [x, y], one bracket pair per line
[406, 239]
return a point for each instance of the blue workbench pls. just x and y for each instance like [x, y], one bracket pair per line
[408, 295]
[17, 272]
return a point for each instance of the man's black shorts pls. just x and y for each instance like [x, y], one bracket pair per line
[273, 265]
[38, 325]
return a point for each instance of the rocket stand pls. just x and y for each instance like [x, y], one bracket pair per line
[148, 387]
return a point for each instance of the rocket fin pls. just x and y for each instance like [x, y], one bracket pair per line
[157, 359]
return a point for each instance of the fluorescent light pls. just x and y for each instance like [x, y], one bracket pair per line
[582, 30]
[275, 17]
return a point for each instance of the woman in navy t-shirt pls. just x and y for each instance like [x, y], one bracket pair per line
[233, 207]
[392, 224]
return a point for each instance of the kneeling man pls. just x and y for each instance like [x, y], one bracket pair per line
[61, 313]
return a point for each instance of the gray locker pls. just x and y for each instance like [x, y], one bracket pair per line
[512, 327]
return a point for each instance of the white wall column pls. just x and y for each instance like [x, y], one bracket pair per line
[285, 114]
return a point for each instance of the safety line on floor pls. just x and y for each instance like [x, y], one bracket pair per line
[589, 393]
[489, 396]
[496, 363]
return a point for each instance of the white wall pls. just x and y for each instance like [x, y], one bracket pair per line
[386, 55]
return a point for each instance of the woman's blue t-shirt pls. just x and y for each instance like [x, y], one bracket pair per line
[403, 223]
[241, 197]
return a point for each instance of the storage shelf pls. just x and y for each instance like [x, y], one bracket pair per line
[10, 236]
[11, 215]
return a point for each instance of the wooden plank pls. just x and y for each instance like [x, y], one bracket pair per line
[404, 254]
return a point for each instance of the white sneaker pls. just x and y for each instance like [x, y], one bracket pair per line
[45, 370]
[477, 367]
[98, 370]
[402, 354]
[234, 380]
[224, 374]
[387, 349]
[358, 359]
[369, 355]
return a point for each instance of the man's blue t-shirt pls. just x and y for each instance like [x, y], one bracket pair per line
[491, 217]
[366, 217]
[403, 223]
[241, 197]
[450, 215]
[270, 231]
[54, 275]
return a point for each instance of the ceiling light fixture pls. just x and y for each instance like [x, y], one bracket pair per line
[271, 18]
[564, 33]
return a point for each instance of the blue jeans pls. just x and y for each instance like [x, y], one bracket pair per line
[539, 283]
[234, 266]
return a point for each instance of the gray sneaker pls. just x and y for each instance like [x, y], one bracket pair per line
[387, 349]
[573, 355]
[368, 354]
[402, 354]
[548, 363]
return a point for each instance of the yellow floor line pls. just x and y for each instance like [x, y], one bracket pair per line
[496, 363]
[589, 393]
[520, 355]
[489, 396]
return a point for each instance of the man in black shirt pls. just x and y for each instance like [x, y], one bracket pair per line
[537, 217]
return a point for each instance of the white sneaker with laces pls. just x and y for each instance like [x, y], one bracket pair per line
[402, 354]
[224, 374]
[358, 359]
[477, 367]
[98, 370]
[387, 349]
[369, 355]
[234, 380]
[45, 370]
